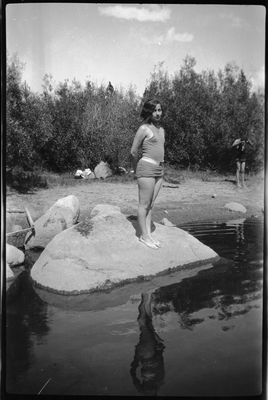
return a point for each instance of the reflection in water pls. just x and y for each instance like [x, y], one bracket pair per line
[229, 289]
[215, 302]
[225, 294]
[215, 309]
[238, 225]
[26, 320]
[148, 353]
[240, 240]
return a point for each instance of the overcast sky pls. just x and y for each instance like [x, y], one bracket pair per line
[122, 43]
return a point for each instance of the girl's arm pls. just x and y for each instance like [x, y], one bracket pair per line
[236, 142]
[140, 135]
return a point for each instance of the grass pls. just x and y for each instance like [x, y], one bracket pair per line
[173, 175]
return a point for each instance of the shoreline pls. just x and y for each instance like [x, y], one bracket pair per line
[186, 202]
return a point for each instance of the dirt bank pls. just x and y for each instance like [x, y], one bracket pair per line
[188, 201]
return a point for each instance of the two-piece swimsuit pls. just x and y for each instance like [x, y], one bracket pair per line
[241, 153]
[151, 163]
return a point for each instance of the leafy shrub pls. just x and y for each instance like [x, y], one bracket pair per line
[70, 127]
[23, 181]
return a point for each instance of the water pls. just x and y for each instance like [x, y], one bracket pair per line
[202, 338]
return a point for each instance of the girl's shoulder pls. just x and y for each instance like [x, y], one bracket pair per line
[142, 131]
[145, 129]
[143, 126]
[147, 126]
[148, 131]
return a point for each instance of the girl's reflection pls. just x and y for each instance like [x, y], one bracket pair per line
[238, 224]
[148, 353]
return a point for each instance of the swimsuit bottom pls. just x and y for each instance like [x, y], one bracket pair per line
[242, 159]
[146, 169]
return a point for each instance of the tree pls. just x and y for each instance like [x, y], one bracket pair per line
[72, 126]
[18, 143]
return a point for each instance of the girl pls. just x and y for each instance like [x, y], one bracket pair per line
[149, 169]
[241, 159]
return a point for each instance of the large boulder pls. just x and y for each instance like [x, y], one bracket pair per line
[105, 250]
[102, 170]
[9, 273]
[233, 206]
[62, 215]
[16, 228]
[14, 256]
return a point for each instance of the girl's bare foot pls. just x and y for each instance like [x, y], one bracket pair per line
[155, 241]
[149, 243]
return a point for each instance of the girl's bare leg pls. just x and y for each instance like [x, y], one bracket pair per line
[237, 172]
[157, 187]
[243, 164]
[146, 194]
[148, 227]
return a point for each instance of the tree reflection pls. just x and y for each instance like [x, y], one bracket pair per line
[228, 290]
[148, 359]
[26, 316]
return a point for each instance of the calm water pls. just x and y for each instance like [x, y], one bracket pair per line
[202, 338]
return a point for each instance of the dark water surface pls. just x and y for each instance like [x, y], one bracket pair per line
[200, 336]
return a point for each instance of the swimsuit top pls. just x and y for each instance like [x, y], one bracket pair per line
[241, 150]
[154, 146]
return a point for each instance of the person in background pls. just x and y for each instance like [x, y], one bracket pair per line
[241, 159]
[110, 89]
[149, 169]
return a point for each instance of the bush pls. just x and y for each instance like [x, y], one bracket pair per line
[71, 127]
[24, 181]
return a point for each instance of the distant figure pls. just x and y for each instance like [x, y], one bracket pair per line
[241, 159]
[110, 89]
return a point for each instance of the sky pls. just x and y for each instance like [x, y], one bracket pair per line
[122, 43]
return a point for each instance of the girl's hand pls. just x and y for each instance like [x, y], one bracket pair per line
[236, 142]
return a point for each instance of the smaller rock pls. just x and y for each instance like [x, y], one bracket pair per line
[62, 215]
[235, 207]
[14, 256]
[166, 222]
[165, 211]
[214, 196]
[102, 170]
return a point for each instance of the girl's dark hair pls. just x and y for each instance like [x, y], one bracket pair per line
[148, 108]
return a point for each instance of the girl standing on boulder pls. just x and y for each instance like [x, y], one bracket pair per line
[149, 169]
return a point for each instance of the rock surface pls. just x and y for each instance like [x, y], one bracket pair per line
[14, 256]
[235, 207]
[105, 250]
[9, 272]
[102, 170]
[16, 228]
[62, 215]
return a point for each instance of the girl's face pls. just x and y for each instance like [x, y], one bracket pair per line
[157, 113]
